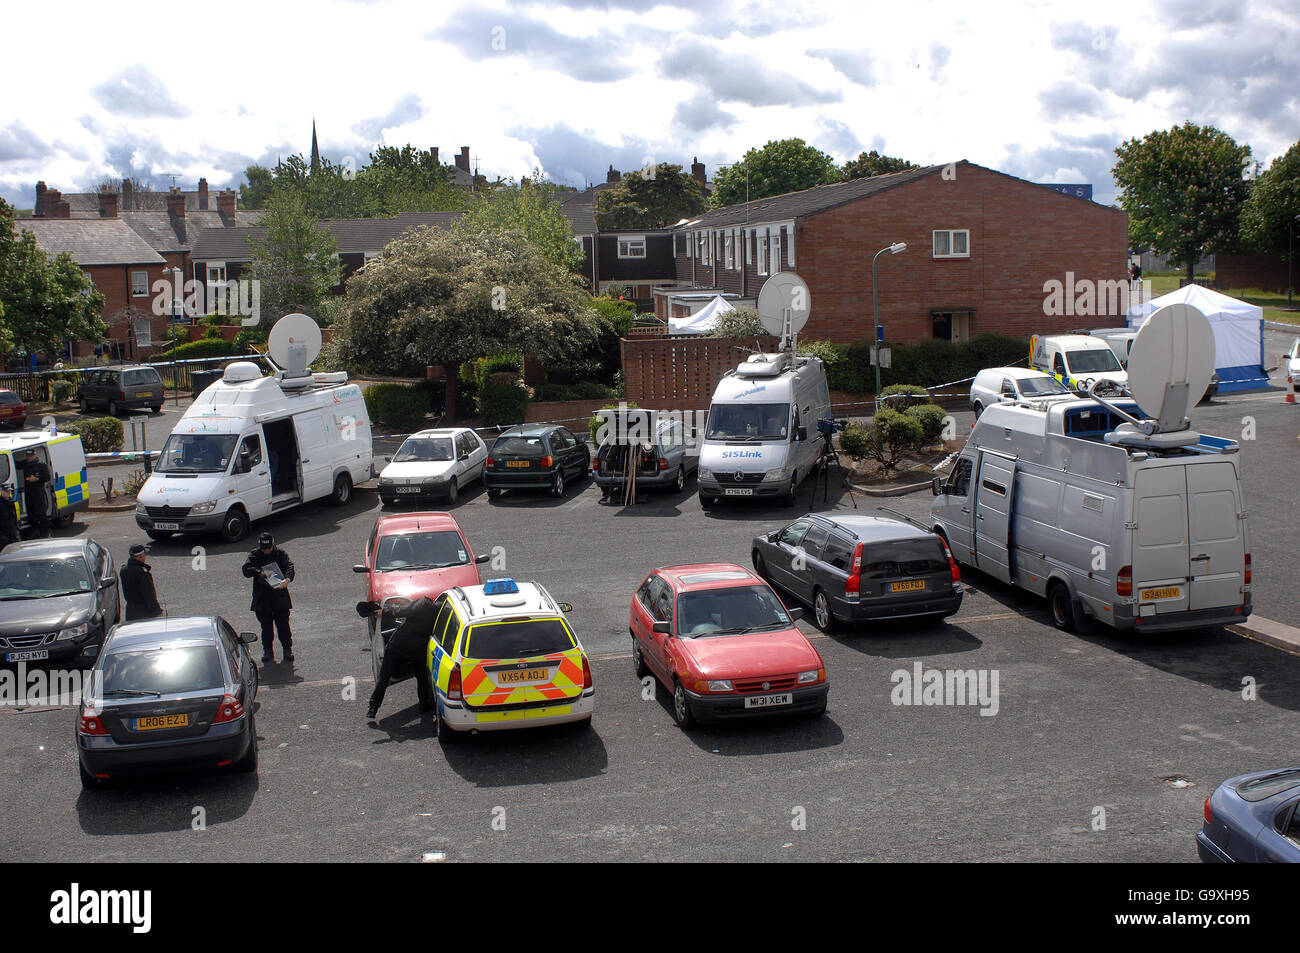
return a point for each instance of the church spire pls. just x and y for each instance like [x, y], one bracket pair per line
[315, 150]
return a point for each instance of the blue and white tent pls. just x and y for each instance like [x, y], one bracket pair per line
[1238, 333]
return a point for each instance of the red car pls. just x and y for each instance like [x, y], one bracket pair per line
[408, 556]
[13, 412]
[718, 637]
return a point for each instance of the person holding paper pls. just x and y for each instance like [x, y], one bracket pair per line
[271, 570]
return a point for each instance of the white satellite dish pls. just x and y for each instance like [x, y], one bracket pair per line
[784, 295]
[294, 343]
[1170, 364]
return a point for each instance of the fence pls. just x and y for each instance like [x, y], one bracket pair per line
[35, 385]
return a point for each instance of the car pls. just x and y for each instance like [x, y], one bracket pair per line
[1292, 362]
[504, 656]
[719, 639]
[433, 463]
[169, 694]
[1012, 383]
[665, 464]
[121, 388]
[13, 412]
[411, 556]
[1253, 818]
[535, 456]
[58, 597]
[854, 569]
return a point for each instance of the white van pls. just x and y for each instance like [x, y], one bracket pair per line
[761, 438]
[67, 491]
[1077, 360]
[250, 446]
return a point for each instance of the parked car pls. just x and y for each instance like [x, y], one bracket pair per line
[121, 388]
[535, 456]
[433, 463]
[171, 694]
[1012, 383]
[410, 556]
[1253, 818]
[57, 599]
[664, 463]
[13, 412]
[853, 568]
[718, 638]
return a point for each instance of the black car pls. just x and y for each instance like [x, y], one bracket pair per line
[538, 456]
[169, 694]
[121, 388]
[853, 568]
[57, 599]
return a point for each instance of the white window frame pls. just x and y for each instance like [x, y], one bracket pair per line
[774, 249]
[210, 283]
[748, 236]
[760, 253]
[628, 244]
[144, 285]
[729, 247]
[950, 232]
[789, 244]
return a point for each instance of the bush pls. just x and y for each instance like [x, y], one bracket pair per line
[594, 424]
[619, 289]
[855, 442]
[62, 390]
[587, 390]
[206, 347]
[102, 435]
[932, 418]
[212, 332]
[214, 319]
[740, 323]
[904, 396]
[827, 351]
[502, 400]
[400, 406]
[890, 435]
[926, 364]
[246, 337]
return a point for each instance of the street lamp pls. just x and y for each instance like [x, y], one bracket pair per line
[893, 249]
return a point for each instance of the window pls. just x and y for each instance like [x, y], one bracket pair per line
[216, 272]
[793, 533]
[839, 552]
[952, 243]
[814, 540]
[959, 482]
[775, 242]
[789, 245]
[1008, 388]
[997, 488]
[729, 245]
[748, 237]
[1058, 364]
[631, 246]
[760, 253]
[679, 246]
[139, 284]
[704, 240]
[253, 447]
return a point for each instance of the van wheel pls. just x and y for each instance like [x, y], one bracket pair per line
[1058, 599]
[82, 406]
[157, 410]
[452, 492]
[493, 494]
[791, 496]
[342, 490]
[235, 526]
[113, 408]
[64, 521]
[822, 612]
[707, 501]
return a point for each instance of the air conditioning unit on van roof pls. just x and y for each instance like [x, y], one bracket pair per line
[764, 365]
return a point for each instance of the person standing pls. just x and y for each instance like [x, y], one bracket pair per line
[138, 590]
[406, 652]
[271, 570]
[36, 477]
[8, 518]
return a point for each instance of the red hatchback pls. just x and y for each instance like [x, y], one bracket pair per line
[720, 640]
[409, 556]
[13, 412]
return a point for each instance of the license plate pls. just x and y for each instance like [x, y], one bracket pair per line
[5, 411]
[408, 489]
[518, 464]
[145, 393]
[166, 525]
[912, 585]
[769, 701]
[33, 656]
[1171, 592]
[523, 675]
[154, 722]
[730, 492]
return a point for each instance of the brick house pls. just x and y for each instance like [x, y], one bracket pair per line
[981, 245]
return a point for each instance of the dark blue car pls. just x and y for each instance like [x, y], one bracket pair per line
[1253, 818]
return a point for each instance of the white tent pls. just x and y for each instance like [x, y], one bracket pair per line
[702, 321]
[1238, 333]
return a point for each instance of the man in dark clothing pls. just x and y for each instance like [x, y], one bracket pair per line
[271, 571]
[137, 587]
[405, 654]
[8, 518]
[36, 476]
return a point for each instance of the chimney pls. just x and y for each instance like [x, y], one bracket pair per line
[175, 202]
[613, 175]
[462, 160]
[436, 162]
[697, 170]
[203, 194]
[226, 202]
[128, 193]
[107, 202]
[38, 210]
[55, 207]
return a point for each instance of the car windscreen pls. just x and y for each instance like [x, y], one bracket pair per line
[8, 397]
[1258, 789]
[519, 446]
[903, 557]
[748, 422]
[519, 638]
[424, 449]
[1092, 361]
[730, 611]
[196, 453]
[1041, 387]
[43, 578]
[408, 552]
[166, 670]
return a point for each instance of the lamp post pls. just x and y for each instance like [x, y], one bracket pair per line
[893, 249]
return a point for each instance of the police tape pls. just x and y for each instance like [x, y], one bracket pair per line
[126, 456]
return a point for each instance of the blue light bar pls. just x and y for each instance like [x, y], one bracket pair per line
[496, 587]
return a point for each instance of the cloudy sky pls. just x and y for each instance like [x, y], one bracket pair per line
[1043, 90]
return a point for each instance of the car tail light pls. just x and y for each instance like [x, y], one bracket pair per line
[230, 709]
[453, 684]
[91, 725]
[1124, 582]
[1248, 569]
[489, 462]
[952, 563]
[586, 673]
[663, 463]
[121, 395]
[1209, 815]
[547, 462]
[853, 585]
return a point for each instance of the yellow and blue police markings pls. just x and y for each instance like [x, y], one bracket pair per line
[70, 489]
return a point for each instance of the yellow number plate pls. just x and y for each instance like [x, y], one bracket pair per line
[162, 721]
[517, 463]
[523, 675]
[145, 393]
[914, 585]
[1172, 592]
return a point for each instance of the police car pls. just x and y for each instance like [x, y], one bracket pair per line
[503, 656]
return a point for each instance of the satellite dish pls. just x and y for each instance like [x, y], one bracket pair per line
[1170, 364]
[294, 343]
[782, 292]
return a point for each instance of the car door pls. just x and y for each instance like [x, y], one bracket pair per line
[993, 497]
[573, 454]
[654, 648]
[784, 552]
[106, 598]
[478, 455]
[813, 573]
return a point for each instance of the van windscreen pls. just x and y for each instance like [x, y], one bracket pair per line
[195, 453]
[1092, 361]
[748, 422]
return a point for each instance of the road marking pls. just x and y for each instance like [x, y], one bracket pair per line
[1274, 634]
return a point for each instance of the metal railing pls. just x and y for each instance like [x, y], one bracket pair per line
[36, 385]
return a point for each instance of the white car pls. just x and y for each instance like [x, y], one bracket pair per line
[1293, 361]
[1012, 383]
[433, 463]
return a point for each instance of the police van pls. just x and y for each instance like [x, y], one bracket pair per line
[1078, 361]
[761, 438]
[67, 492]
[1114, 514]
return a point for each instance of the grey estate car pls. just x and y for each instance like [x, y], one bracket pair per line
[666, 465]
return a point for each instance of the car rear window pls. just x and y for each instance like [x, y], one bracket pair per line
[184, 668]
[520, 446]
[904, 557]
[140, 377]
[8, 397]
[1259, 789]
[517, 638]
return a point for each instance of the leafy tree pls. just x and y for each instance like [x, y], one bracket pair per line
[1183, 190]
[258, 189]
[654, 201]
[785, 165]
[293, 260]
[873, 163]
[738, 323]
[532, 212]
[1273, 204]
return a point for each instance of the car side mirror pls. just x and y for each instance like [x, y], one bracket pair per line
[566, 607]
[936, 486]
[483, 558]
[361, 569]
[795, 614]
[773, 536]
[666, 628]
[248, 638]
[388, 459]
[90, 651]
[367, 609]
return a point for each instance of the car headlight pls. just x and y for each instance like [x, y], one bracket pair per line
[704, 474]
[200, 508]
[140, 507]
[720, 685]
[814, 676]
[780, 473]
[73, 632]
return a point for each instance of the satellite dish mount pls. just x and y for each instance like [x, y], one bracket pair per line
[293, 344]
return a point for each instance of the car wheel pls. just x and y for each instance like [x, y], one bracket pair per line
[82, 406]
[88, 780]
[248, 763]
[452, 492]
[679, 482]
[682, 713]
[157, 409]
[557, 485]
[760, 566]
[64, 521]
[493, 494]
[376, 654]
[235, 526]
[446, 734]
[158, 535]
[638, 660]
[822, 612]
[1058, 599]
[342, 490]
[113, 408]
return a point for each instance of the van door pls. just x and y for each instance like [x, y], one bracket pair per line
[1160, 548]
[313, 455]
[250, 476]
[993, 488]
[1218, 545]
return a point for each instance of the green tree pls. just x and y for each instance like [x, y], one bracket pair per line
[1183, 190]
[258, 189]
[785, 165]
[656, 200]
[44, 301]
[293, 260]
[873, 163]
[1273, 204]
[532, 212]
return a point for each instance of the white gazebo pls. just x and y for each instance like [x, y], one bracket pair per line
[1238, 333]
[702, 321]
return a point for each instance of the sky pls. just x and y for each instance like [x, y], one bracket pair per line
[1041, 90]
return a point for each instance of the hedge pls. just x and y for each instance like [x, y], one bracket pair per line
[904, 396]
[204, 347]
[926, 364]
[101, 435]
[502, 401]
[587, 390]
[401, 406]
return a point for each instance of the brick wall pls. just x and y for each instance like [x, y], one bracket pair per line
[679, 373]
[1266, 272]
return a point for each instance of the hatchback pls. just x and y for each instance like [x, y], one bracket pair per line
[13, 412]
[1253, 818]
[433, 463]
[535, 456]
[121, 388]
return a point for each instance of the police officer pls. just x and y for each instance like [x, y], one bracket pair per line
[35, 477]
[271, 604]
[138, 591]
[8, 518]
[407, 649]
